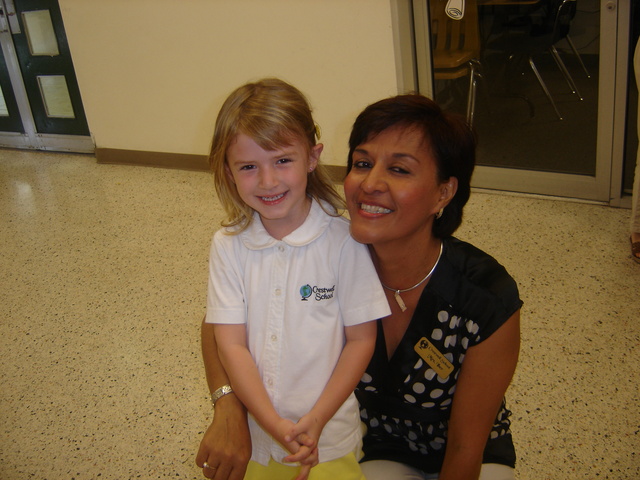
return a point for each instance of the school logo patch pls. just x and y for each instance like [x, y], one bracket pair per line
[316, 293]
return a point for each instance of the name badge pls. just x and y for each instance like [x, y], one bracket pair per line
[434, 358]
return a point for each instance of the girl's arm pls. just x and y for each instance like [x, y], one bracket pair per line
[485, 375]
[248, 386]
[355, 356]
[226, 444]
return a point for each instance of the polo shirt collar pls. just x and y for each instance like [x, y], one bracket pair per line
[256, 236]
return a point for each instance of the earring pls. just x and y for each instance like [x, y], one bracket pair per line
[439, 214]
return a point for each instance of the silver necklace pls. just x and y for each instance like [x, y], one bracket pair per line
[397, 291]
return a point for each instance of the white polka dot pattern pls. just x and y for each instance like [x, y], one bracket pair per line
[423, 388]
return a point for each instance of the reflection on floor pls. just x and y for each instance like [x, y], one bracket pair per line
[103, 274]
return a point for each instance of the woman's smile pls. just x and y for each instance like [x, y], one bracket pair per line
[375, 209]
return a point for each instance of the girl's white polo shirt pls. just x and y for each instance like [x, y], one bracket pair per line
[296, 296]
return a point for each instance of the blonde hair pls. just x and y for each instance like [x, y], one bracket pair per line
[274, 114]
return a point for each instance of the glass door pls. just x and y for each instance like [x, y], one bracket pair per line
[40, 104]
[537, 78]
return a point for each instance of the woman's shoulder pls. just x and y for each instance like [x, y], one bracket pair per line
[474, 281]
[473, 263]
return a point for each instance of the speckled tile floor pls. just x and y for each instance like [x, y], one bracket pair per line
[103, 276]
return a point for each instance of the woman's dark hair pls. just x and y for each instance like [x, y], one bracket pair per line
[448, 135]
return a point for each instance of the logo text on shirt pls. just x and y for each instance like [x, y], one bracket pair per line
[316, 293]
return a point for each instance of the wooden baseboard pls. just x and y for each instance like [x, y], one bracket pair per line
[180, 161]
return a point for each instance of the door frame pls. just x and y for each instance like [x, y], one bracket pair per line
[605, 186]
[621, 101]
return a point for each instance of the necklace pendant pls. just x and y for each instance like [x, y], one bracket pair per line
[399, 301]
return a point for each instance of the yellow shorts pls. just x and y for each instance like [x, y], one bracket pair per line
[345, 468]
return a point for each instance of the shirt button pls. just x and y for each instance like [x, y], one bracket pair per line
[274, 338]
[278, 292]
[270, 382]
[281, 248]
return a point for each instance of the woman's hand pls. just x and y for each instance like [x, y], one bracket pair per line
[226, 445]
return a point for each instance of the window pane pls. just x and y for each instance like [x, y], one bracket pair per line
[514, 50]
[55, 96]
[40, 33]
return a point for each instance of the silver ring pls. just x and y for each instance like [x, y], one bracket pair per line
[206, 465]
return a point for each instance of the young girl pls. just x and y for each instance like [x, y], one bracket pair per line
[291, 294]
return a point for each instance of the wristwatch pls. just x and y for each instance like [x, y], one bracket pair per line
[219, 393]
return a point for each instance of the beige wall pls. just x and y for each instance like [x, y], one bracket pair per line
[153, 73]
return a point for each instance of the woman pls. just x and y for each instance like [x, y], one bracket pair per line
[454, 326]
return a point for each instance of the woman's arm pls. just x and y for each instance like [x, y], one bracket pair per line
[226, 444]
[355, 356]
[486, 373]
